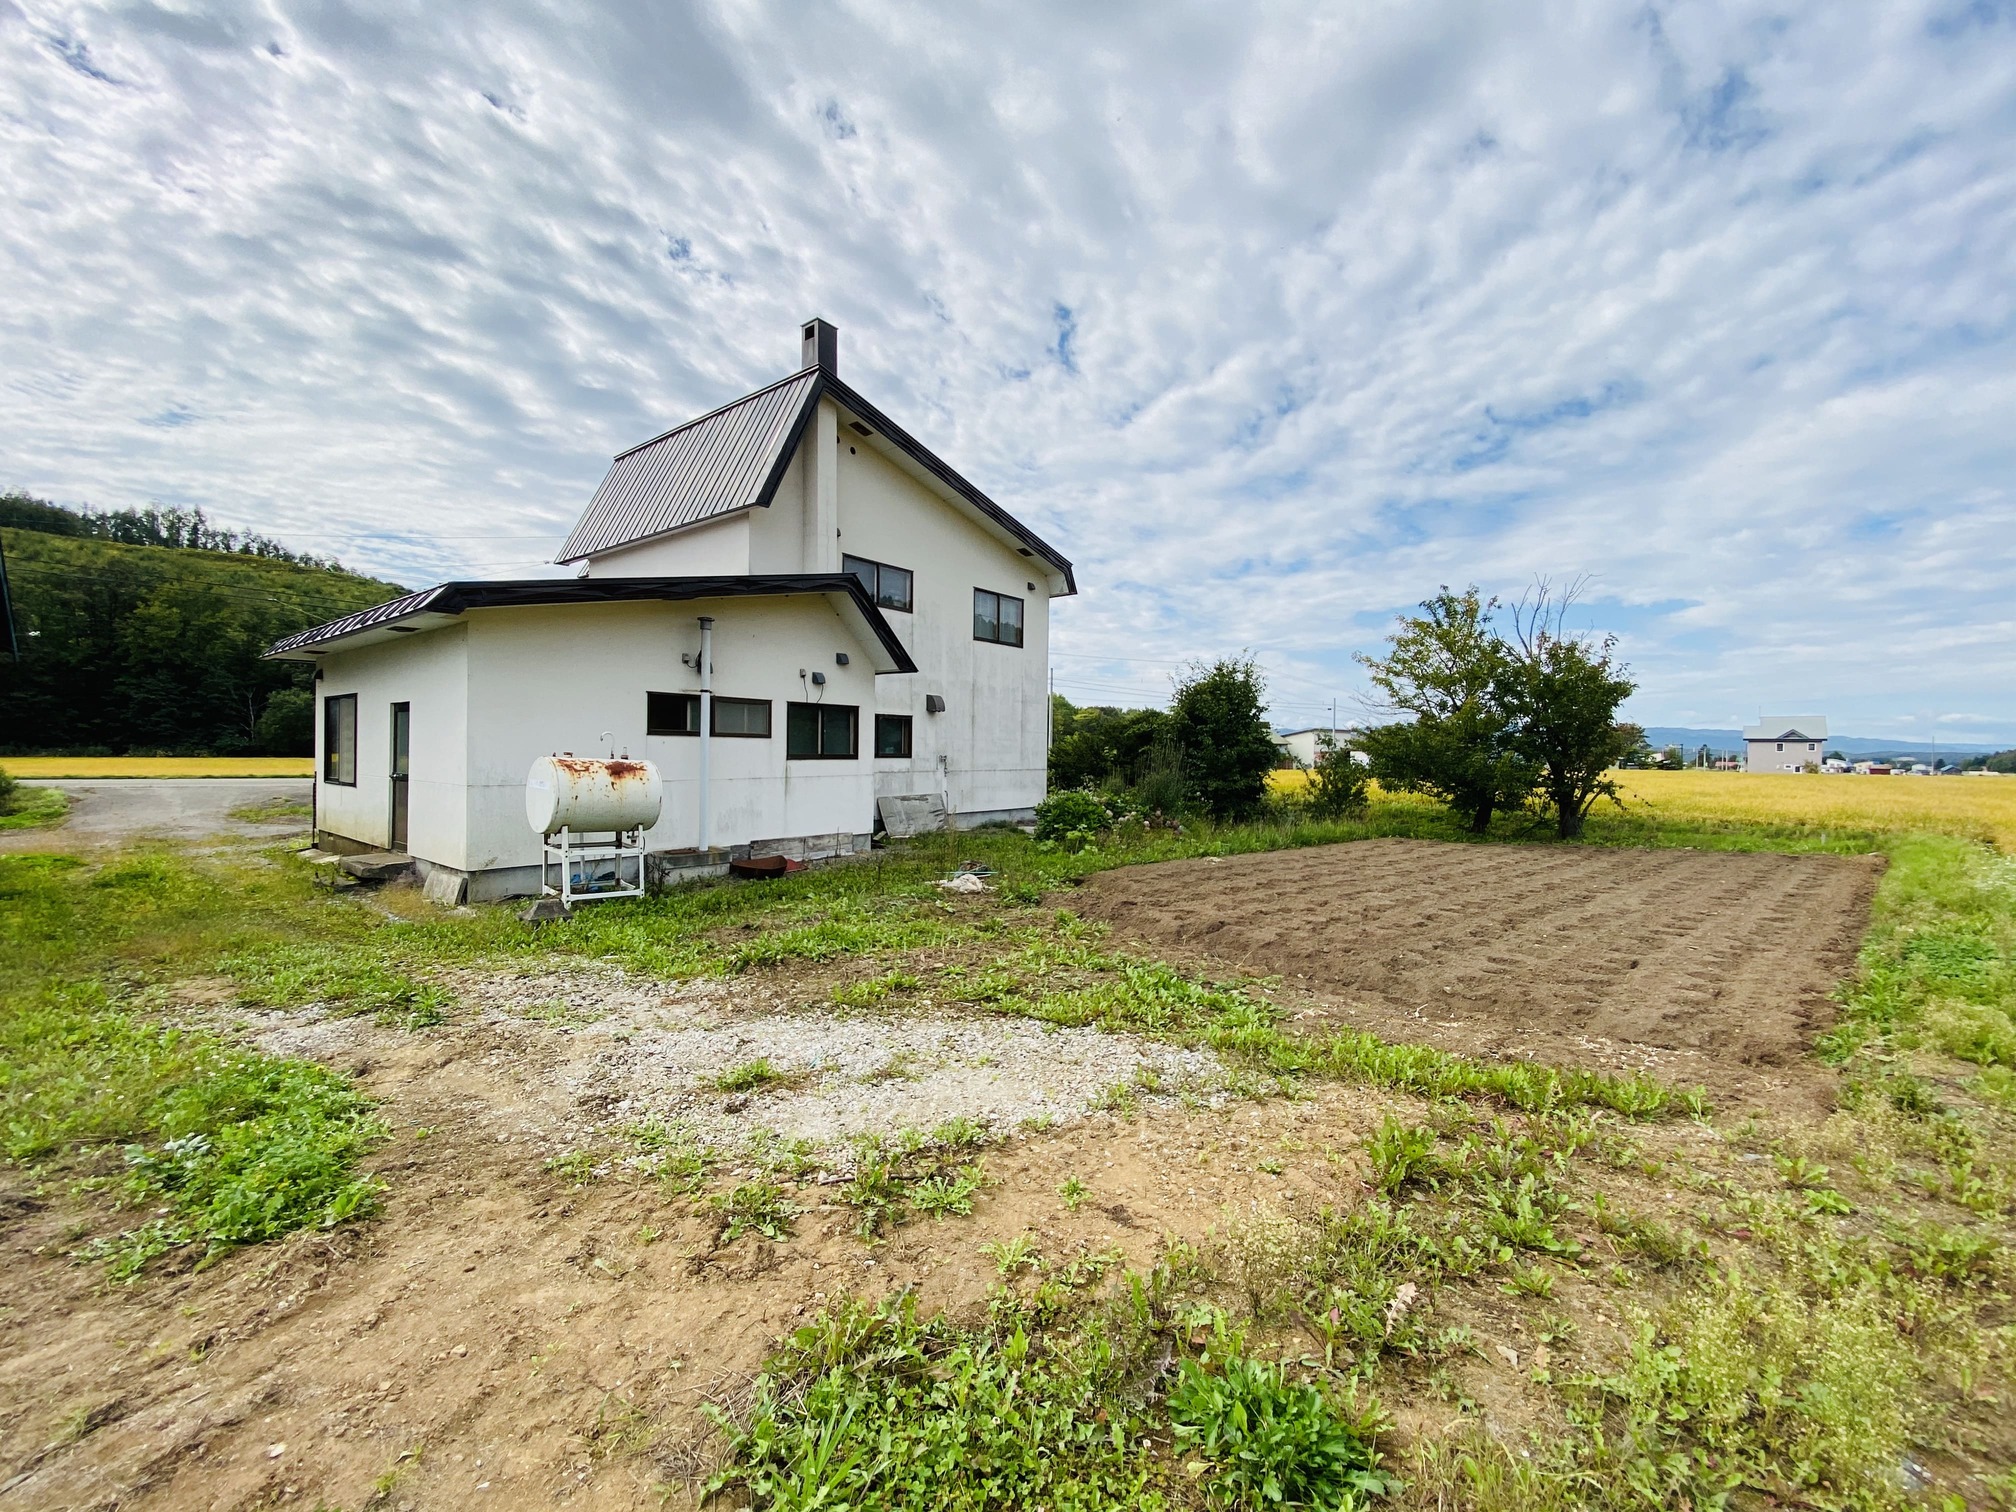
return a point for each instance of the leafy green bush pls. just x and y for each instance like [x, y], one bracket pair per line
[9, 790]
[1340, 785]
[1270, 1442]
[1061, 817]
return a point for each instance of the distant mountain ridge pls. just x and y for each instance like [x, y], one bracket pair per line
[1847, 745]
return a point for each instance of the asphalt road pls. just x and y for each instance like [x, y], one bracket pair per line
[106, 811]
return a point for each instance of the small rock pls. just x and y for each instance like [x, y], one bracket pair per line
[274, 1451]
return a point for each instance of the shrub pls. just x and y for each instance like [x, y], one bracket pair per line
[1068, 816]
[1271, 1443]
[9, 789]
[1339, 783]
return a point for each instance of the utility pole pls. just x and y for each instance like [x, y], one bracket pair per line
[7, 607]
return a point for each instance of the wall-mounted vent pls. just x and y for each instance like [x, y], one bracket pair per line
[934, 703]
[856, 425]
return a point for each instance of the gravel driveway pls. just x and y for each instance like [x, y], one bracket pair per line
[109, 811]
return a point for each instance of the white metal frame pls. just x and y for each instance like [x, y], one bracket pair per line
[567, 851]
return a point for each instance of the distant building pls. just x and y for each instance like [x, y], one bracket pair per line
[1784, 743]
[1300, 746]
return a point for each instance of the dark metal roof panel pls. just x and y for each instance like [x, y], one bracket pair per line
[720, 463]
[363, 619]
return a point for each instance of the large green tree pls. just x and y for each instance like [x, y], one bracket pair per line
[1446, 668]
[1563, 691]
[1219, 719]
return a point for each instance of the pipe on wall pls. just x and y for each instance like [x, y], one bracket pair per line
[706, 718]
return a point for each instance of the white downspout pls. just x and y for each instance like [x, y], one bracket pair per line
[706, 718]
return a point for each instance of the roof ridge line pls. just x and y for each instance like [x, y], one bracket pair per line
[718, 409]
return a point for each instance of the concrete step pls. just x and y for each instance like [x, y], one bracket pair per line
[378, 866]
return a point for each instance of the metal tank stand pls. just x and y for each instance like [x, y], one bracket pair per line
[580, 861]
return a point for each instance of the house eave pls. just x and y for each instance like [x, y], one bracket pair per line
[442, 605]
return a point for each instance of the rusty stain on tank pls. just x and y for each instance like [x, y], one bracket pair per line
[617, 771]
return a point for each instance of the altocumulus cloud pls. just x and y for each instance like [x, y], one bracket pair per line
[1274, 319]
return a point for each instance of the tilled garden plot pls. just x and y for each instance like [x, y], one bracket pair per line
[1698, 966]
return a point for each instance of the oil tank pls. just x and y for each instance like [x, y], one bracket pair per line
[589, 796]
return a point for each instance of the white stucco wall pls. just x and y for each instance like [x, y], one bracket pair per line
[429, 672]
[716, 548]
[1764, 755]
[554, 679]
[992, 733]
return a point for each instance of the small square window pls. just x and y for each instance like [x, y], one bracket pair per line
[997, 617]
[892, 734]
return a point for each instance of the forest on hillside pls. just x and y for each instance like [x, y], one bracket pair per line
[140, 633]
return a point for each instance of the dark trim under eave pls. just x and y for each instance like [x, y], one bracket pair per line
[457, 597]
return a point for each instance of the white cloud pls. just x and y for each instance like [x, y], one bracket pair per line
[1273, 318]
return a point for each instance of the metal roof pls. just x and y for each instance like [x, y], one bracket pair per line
[734, 457]
[1787, 727]
[723, 461]
[438, 605]
[363, 619]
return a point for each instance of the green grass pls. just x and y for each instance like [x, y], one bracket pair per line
[749, 1076]
[237, 1147]
[1794, 1323]
[226, 1146]
[34, 808]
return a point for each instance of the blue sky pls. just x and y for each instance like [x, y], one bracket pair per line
[1273, 318]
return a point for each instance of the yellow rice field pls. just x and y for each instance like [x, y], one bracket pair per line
[158, 766]
[1978, 807]
[1982, 808]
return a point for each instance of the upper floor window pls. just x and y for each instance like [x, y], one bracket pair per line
[888, 586]
[997, 617]
[339, 739]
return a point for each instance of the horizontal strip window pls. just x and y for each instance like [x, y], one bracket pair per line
[888, 586]
[822, 732]
[892, 734]
[997, 617]
[339, 740]
[679, 714]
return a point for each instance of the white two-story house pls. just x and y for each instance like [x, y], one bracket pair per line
[879, 630]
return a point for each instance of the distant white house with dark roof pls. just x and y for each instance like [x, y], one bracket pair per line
[880, 629]
[1784, 743]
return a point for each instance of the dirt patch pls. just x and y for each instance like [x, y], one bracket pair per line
[500, 1330]
[1696, 965]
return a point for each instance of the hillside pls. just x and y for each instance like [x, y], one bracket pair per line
[128, 648]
